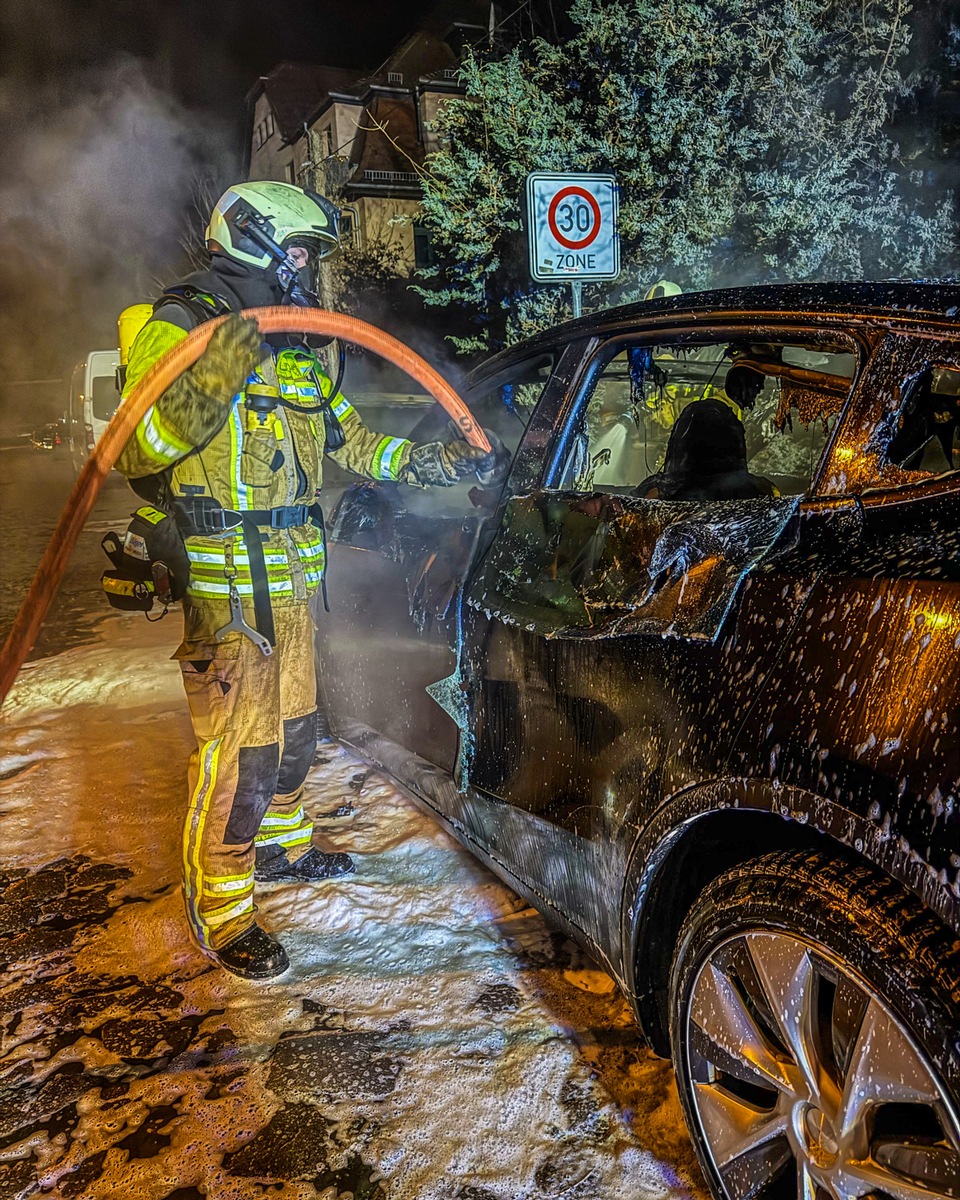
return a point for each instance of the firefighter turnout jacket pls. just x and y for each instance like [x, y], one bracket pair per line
[253, 713]
[257, 461]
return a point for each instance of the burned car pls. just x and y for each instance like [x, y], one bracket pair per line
[707, 720]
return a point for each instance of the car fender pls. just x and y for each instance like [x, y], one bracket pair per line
[708, 827]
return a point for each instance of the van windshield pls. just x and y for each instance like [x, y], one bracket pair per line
[105, 397]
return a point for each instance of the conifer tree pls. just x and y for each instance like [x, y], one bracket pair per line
[750, 141]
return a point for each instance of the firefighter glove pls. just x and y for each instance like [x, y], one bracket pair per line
[231, 354]
[442, 464]
[198, 402]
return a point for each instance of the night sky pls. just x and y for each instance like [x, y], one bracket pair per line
[206, 52]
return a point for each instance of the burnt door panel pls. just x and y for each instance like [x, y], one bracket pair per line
[601, 565]
[394, 584]
[613, 646]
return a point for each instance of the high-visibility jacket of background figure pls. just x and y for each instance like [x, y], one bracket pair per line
[234, 449]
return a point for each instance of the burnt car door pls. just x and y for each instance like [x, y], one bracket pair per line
[398, 557]
[614, 640]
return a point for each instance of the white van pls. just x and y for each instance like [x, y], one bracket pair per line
[93, 401]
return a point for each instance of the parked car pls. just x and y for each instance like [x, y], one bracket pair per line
[47, 437]
[707, 722]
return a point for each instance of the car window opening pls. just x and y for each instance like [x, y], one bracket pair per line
[727, 421]
[927, 437]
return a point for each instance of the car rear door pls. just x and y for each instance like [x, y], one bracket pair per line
[864, 712]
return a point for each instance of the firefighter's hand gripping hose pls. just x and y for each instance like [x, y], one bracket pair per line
[85, 491]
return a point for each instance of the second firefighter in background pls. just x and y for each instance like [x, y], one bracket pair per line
[234, 450]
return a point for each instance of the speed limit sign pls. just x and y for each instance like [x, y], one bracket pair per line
[572, 227]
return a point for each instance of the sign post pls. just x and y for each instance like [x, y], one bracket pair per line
[572, 229]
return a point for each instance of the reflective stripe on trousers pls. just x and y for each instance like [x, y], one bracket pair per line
[255, 724]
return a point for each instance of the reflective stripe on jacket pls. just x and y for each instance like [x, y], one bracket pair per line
[255, 462]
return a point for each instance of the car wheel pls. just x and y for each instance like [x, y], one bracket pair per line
[815, 1031]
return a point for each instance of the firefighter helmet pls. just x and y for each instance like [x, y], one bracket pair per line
[663, 287]
[291, 215]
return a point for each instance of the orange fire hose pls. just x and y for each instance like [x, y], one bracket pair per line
[156, 381]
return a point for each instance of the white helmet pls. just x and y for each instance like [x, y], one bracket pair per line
[288, 214]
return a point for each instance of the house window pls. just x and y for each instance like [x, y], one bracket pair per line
[394, 77]
[349, 228]
[264, 130]
[423, 255]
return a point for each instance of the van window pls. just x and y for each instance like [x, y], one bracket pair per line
[105, 396]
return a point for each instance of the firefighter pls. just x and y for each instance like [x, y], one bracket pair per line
[673, 397]
[233, 449]
[662, 288]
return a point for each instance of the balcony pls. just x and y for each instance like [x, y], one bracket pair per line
[390, 177]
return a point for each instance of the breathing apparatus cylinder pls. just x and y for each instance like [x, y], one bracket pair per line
[129, 324]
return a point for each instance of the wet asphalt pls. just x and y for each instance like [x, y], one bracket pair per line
[34, 488]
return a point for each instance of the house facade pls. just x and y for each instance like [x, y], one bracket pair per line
[360, 138]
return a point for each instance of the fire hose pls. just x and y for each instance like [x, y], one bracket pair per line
[150, 388]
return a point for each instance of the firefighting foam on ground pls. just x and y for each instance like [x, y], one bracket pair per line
[433, 1039]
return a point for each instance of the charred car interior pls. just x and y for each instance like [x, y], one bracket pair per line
[688, 681]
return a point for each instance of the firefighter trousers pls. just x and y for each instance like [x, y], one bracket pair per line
[254, 718]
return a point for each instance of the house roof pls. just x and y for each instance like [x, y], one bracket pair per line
[296, 90]
[418, 55]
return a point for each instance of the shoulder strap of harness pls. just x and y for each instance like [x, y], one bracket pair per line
[202, 306]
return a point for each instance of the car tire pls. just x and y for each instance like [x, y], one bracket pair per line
[815, 1032]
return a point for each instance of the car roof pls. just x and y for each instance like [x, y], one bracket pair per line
[884, 302]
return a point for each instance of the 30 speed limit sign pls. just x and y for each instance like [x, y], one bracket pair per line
[572, 227]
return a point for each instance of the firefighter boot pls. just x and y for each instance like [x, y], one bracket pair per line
[253, 955]
[273, 866]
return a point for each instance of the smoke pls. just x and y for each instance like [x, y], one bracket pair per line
[94, 204]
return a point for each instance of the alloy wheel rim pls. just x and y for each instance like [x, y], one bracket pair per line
[805, 1082]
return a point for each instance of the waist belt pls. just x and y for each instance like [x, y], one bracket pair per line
[200, 515]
